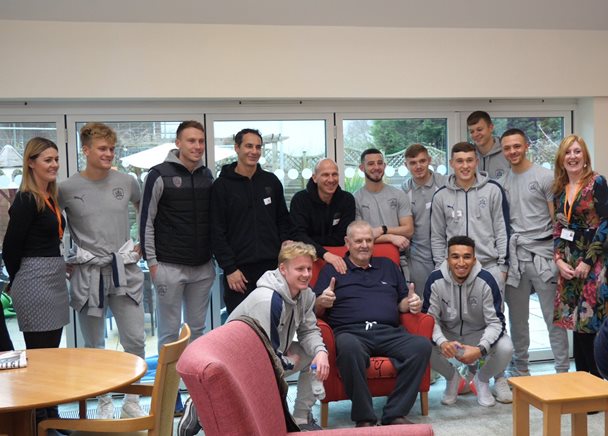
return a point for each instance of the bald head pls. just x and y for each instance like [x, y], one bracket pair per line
[325, 165]
[326, 177]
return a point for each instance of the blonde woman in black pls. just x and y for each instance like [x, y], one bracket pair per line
[32, 252]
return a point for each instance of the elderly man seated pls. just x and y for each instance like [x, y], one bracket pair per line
[362, 306]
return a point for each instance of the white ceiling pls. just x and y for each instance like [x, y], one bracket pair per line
[513, 14]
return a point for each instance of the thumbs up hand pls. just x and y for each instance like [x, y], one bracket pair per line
[327, 298]
[413, 300]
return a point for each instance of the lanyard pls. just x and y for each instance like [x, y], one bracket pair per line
[57, 214]
[568, 211]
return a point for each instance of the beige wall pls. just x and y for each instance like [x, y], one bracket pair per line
[158, 61]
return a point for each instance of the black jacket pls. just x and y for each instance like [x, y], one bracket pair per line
[318, 223]
[249, 218]
[175, 226]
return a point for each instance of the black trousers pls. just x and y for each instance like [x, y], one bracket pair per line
[252, 273]
[50, 339]
[583, 347]
[409, 354]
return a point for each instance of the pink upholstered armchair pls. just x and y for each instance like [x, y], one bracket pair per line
[232, 384]
[381, 375]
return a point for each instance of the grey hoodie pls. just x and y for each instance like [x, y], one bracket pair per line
[281, 316]
[465, 308]
[482, 213]
[494, 163]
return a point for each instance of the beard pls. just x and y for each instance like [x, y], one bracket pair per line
[372, 178]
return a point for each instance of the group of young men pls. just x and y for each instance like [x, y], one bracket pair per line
[458, 237]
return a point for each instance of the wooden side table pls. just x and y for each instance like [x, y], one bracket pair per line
[574, 392]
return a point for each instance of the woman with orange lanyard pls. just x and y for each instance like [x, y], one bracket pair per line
[581, 227]
[32, 252]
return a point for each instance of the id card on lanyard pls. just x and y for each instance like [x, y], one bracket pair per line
[567, 233]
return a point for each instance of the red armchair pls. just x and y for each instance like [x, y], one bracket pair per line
[381, 374]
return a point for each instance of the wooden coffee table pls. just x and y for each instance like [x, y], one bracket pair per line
[61, 375]
[574, 392]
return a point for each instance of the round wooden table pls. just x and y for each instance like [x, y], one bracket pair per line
[61, 375]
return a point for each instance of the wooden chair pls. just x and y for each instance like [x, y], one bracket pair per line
[381, 374]
[162, 406]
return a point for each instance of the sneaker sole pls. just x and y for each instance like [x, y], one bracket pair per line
[486, 405]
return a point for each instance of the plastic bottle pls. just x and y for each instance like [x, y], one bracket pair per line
[317, 385]
[459, 351]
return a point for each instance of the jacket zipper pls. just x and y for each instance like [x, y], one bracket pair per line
[460, 304]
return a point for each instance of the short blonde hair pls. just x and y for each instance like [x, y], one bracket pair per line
[296, 249]
[92, 131]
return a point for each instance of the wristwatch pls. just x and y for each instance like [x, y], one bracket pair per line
[384, 230]
[482, 350]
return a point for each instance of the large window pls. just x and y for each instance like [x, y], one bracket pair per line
[291, 147]
[296, 136]
[392, 137]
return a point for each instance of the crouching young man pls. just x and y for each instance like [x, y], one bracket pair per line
[465, 301]
[284, 306]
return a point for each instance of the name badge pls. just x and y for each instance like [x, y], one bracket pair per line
[428, 205]
[335, 221]
[567, 235]
[267, 201]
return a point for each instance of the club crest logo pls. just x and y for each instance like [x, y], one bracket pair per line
[177, 181]
[533, 187]
[499, 173]
[392, 203]
[483, 202]
[118, 193]
[162, 290]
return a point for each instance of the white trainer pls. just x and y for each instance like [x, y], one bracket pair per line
[451, 389]
[484, 395]
[503, 392]
[131, 409]
[105, 407]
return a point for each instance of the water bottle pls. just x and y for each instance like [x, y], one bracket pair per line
[459, 351]
[317, 385]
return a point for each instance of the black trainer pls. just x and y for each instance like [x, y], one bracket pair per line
[188, 423]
